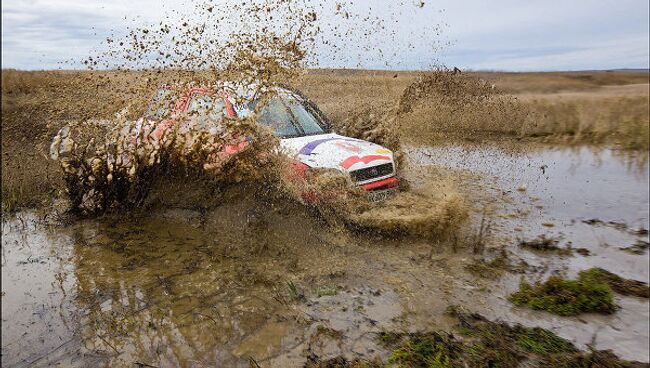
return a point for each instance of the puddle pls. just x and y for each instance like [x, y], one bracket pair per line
[271, 284]
[570, 183]
[184, 288]
[556, 192]
[35, 310]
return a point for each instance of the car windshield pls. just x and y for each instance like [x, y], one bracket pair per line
[160, 105]
[202, 104]
[289, 118]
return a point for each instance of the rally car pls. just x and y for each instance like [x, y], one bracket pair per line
[302, 128]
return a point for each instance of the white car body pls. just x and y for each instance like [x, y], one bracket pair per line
[370, 165]
[346, 154]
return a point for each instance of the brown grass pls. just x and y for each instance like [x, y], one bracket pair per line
[622, 121]
[589, 107]
[574, 108]
[555, 82]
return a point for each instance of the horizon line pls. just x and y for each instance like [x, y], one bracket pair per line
[465, 70]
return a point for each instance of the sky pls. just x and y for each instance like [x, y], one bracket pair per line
[510, 35]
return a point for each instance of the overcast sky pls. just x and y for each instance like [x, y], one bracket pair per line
[477, 34]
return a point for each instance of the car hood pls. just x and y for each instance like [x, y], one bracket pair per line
[337, 151]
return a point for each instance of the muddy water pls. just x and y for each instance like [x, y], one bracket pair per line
[268, 282]
[184, 288]
[585, 198]
[590, 199]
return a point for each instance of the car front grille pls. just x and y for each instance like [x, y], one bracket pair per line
[372, 172]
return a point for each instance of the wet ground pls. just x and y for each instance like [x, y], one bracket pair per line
[271, 283]
[591, 199]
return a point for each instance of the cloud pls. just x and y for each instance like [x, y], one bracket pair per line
[51, 34]
[40, 35]
[505, 34]
[623, 53]
[549, 35]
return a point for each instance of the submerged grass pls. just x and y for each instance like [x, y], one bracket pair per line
[489, 269]
[483, 343]
[566, 297]
[545, 244]
[617, 283]
[638, 248]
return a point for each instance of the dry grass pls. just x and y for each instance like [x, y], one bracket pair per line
[617, 121]
[594, 107]
[555, 82]
[576, 108]
[622, 121]
[340, 92]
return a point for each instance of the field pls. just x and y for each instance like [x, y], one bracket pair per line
[596, 108]
[589, 107]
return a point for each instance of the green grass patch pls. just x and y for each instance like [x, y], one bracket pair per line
[326, 291]
[484, 343]
[566, 297]
[593, 359]
[426, 350]
[617, 283]
[543, 342]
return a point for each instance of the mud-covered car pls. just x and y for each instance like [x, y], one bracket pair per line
[304, 132]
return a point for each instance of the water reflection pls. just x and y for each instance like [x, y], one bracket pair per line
[185, 288]
[571, 182]
[172, 293]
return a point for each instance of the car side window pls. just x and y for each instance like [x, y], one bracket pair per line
[161, 104]
[276, 116]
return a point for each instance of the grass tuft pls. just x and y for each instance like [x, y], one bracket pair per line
[617, 283]
[566, 297]
[428, 350]
[484, 343]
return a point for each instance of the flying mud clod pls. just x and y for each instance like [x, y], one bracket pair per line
[112, 163]
[108, 162]
[231, 134]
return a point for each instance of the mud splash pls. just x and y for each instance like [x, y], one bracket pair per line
[107, 164]
[440, 105]
[210, 149]
[437, 212]
[256, 44]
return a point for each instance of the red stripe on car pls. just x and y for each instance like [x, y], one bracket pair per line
[386, 183]
[348, 162]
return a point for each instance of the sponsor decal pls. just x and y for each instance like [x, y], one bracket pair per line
[383, 151]
[348, 146]
[348, 162]
[311, 146]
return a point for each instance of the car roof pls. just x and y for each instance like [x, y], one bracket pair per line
[238, 91]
